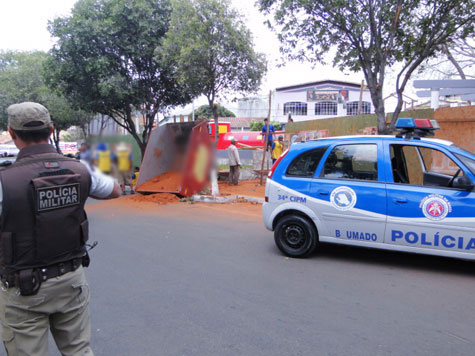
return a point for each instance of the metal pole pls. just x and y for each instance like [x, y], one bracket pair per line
[360, 103]
[267, 136]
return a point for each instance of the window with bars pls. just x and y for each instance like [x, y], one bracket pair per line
[352, 108]
[295, 108]
[326, 108]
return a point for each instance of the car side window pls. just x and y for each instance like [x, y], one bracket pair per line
[305, 164]
[419, 165]
[352, 162]
[407, 165]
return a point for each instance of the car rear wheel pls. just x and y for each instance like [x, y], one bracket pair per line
[295, 236]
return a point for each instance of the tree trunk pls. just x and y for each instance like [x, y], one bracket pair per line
[397, 110]
[216, 123]
[453, 61]
[101, 127]
[56, 139]
[377, 98]
[214, 173]
[84, 130]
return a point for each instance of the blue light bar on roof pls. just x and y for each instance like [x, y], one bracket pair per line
[405, 123]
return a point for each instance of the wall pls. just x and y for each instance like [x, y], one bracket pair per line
[457, 125]
[338, 126]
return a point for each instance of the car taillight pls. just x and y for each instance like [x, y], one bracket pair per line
[274, 166]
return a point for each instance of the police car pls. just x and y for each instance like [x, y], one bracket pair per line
[404, 193]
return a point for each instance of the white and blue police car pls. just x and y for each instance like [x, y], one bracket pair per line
[404, 193]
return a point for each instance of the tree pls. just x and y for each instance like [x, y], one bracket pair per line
[63, 115]
[212, 50]
[371, 36]
[258, 125]
[22, 79]
[205, 112]
[458, 61]
[104, 61]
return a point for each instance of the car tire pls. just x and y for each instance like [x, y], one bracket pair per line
[295, 236]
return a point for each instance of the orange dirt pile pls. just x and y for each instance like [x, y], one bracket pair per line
[166, 182]
[246, 187]
[160, 198]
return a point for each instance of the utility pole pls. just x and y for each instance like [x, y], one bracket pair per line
[267, 136]
[360, 103]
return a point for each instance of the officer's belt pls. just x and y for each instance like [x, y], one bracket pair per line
[45, 273]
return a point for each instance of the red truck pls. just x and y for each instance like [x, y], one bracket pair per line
[245, 139]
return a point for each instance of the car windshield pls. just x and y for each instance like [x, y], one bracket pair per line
[469, 162]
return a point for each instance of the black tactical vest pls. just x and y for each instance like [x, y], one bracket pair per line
[43, 221]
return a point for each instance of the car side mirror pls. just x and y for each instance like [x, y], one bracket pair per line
[463, 182]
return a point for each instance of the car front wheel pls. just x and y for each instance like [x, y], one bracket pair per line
[295, 236]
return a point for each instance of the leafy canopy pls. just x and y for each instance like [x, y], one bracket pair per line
[22, 79]
[212, 49]
[371, 36]
[205, 112]
[104, 60]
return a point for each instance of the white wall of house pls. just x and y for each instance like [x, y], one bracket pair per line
[333, 99]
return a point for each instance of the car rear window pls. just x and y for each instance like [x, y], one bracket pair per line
[305, 164]
[353, 161]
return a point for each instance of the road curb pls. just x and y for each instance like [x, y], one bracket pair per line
[222, 200]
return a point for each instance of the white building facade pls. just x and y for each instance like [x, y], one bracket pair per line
[254, 106]
[319, 100]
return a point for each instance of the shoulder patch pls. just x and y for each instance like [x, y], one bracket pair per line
[51, 164]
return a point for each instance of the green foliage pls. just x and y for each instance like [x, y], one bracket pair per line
[371, 36]
[277, 125]
[22, 79]
[104, 60]
[258, 125]
[205, 112]
[212, 50]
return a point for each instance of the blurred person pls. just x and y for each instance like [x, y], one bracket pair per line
[135, 178]
[278, 149]
[123, 160]
[270, 142]
[289, 121]
[103, 158]
[85, 153]
[234, 163]
[44, 231]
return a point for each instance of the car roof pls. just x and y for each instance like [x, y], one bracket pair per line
[367, 138]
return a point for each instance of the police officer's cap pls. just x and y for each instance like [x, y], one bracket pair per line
[28, 116]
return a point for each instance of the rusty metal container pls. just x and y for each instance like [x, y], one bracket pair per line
[177, 159]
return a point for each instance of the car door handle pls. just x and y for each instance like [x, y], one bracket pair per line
[400, 200]
[323, 192]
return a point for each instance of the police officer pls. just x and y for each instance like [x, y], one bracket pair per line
[43, 236]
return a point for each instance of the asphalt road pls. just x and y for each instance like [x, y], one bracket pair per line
[198, 280]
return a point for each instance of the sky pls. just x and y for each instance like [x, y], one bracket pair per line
[23, 27]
